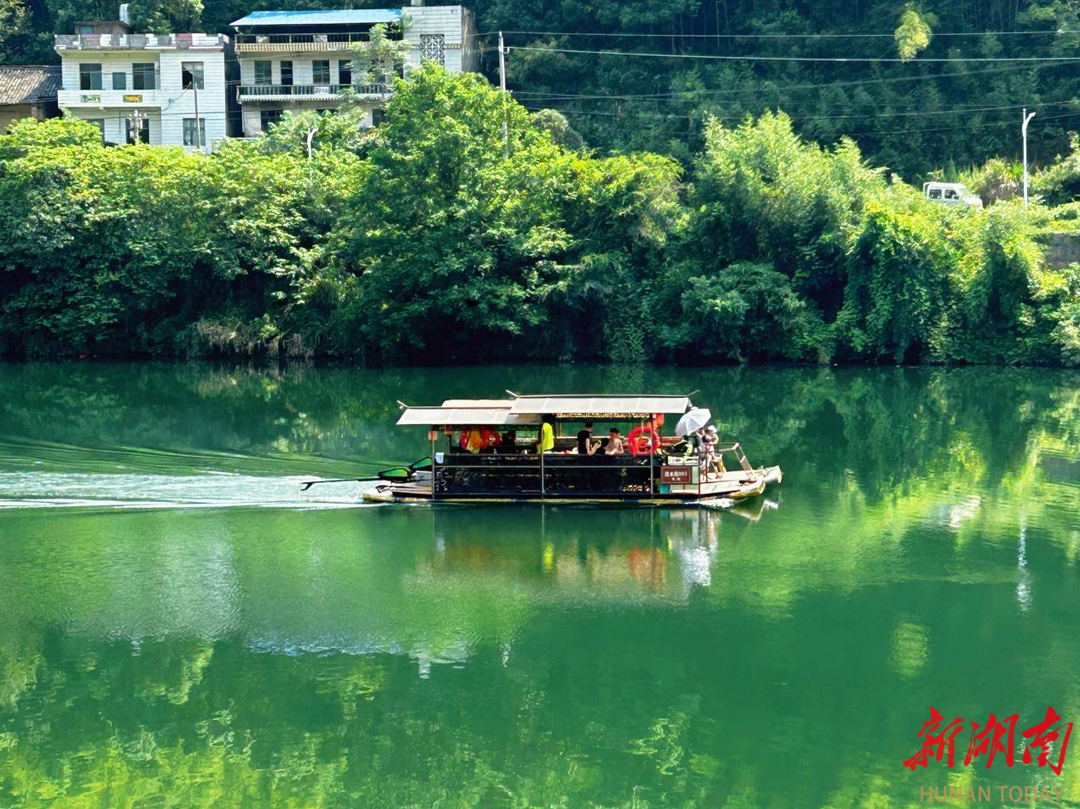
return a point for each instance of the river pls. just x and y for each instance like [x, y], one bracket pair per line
[180, 625]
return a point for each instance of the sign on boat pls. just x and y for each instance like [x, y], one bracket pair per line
[531, 448]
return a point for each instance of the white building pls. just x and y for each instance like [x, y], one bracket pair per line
[301, 60]
[145, 86]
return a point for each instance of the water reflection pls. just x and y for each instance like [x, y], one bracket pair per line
[922, 550]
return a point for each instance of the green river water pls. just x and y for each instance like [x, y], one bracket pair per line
[180, 626]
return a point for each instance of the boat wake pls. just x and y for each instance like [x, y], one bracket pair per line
[22, 490]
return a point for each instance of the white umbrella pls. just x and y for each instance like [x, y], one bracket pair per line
[692, 421]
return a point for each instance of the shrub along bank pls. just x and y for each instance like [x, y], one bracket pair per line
[430, 240]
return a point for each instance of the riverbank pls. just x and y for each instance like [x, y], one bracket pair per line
[423, 241]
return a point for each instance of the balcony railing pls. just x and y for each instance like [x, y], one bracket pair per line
[333, 41]
[137, 42]
[285, 91]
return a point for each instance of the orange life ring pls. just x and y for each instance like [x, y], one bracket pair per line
[642, 441]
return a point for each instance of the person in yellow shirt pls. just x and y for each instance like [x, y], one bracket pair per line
[546, 440]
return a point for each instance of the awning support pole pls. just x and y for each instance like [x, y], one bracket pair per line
[540, 446]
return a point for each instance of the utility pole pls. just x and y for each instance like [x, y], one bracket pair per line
[198, 122]
[1023, 130]
[502, 86]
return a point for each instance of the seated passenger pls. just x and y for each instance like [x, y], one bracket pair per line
[490, 439]
[616, 444]
[585, 444]
[509, 441]
[472, 440]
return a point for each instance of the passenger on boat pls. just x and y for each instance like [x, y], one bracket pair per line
[479, 439]
[710, 441]
[509, 441]
[616, 444]
[471, 440]
[585, 444]
[545, 441]
[695, 443]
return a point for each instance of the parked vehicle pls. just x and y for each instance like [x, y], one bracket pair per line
[951, 194]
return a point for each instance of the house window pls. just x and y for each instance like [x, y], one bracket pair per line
[263, 73]
[86, 29]
[143, 134]
[267, 118]
[286, 73]
[344, 72]
[89, 77]
[433, 47]
[194, 133]
[377, 116]
[191, 75]
[100, 124]
[119, 81]
[142, 76]
[320, 71]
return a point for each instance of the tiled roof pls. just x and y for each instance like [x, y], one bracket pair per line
[320, 17]
[28, 84]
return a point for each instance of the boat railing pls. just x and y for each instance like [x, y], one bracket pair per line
[554, 473]
[737, 451]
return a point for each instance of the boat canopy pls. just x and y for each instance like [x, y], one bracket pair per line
[609, 406]
[464, 416]
[503, 403]
[525, 410]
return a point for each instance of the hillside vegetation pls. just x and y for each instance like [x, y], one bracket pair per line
[892, 92]
[429, 240]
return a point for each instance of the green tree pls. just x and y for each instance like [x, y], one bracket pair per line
[454, 239]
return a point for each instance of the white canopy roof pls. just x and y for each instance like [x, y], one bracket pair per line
[464, 417]
[530, 409]
[503, 403]
[601, 405]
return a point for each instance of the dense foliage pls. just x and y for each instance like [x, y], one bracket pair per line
[730, 58]
[429, 239]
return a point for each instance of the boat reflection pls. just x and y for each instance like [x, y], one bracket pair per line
[603, 554]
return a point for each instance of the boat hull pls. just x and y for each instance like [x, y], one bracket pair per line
[731, 486]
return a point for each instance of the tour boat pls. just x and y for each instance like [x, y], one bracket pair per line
[487, 450]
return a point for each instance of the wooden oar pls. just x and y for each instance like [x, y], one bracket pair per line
[307, 484]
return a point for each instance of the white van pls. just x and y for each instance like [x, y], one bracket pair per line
[951, 194]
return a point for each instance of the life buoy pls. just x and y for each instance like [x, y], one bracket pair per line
[642, 441]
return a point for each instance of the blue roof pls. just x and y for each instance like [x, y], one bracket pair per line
[320, 17]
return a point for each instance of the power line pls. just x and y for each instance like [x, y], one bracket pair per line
[878, 133]
[761, 89]
[891, 35]
[838, 59]
[906, 114]
[980, 125]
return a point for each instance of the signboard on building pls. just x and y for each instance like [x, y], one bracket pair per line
[132, 99]
[91, 99]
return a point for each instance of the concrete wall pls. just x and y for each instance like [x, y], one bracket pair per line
[451, 22]
[10, 113]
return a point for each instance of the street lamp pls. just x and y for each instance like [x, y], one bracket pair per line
[135, 121]
[1023, 130]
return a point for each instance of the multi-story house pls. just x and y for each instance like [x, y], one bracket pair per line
[162, 89]
[302, 60]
